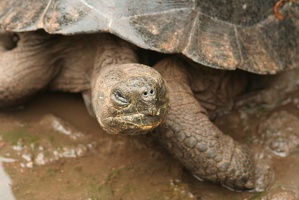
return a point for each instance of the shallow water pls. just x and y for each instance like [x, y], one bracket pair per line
[5, 183]
[60, 152]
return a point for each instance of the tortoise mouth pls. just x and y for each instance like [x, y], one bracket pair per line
[134, 124]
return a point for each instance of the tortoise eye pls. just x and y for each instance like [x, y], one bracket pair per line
[120, 97]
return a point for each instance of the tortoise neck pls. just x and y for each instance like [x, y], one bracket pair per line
[112, 51]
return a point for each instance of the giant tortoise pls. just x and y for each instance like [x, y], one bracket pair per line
[131, 98]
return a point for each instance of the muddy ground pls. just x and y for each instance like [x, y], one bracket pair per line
[52, 149]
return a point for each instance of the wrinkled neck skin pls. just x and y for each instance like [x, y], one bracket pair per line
[128, 98]
[26, 65]
[112, 51]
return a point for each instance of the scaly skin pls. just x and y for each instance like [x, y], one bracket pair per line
[194, 140]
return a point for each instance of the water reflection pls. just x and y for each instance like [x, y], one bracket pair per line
[5, 181]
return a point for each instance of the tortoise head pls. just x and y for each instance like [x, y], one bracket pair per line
[129, 99]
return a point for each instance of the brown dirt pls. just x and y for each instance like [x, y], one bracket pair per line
[60, 152]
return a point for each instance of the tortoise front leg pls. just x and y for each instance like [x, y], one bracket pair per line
[26, 68]
[195, 141]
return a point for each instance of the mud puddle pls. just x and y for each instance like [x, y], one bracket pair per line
[52, 149]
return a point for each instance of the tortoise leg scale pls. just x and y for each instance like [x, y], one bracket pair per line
[195, 141]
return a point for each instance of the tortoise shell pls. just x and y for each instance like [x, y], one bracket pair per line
[225, 34]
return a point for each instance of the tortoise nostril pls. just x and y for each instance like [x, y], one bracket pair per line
[147, 93]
